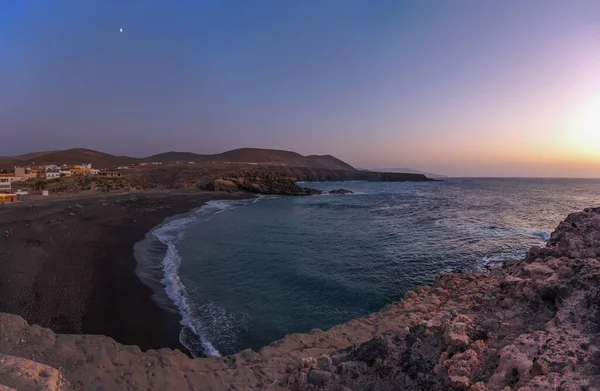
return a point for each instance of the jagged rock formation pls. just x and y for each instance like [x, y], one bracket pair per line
[531, 325]
[259, 183]
[341, 191]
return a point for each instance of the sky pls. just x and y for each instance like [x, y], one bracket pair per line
[462, 87]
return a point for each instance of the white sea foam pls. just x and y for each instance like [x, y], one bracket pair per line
[177, 292]
[170, 234]
[493, 259]
[545, 235]
[326, 193]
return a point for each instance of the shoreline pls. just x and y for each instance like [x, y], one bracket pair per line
[157, 266]
[70, 265]
[530, 324]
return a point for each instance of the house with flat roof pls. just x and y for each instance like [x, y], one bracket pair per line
[24, 173]
[51, 167]
[5, 184]
[52, 175]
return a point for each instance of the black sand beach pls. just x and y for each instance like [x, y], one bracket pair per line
[69, 264]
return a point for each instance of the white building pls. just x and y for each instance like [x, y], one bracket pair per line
[94, 171]
[52, 175]
[11, 178]
[65, 172]
[5, 184]
[87, 166]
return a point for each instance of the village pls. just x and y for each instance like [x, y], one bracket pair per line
[30, 181]
[33, 180]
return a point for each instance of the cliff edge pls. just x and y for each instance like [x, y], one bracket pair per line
[532, 324]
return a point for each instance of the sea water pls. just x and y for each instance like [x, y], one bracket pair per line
[245, 273]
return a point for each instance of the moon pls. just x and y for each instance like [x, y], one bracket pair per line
[121, 30]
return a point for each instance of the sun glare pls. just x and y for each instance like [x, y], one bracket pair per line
[584, 132]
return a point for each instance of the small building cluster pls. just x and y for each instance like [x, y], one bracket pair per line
[45, 172]
[6, 194]
[52, 171]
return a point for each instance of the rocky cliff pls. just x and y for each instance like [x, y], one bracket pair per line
[531, 324]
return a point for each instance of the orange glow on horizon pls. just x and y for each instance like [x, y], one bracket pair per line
[583, 131]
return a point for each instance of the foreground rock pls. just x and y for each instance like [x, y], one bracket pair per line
[531, 325]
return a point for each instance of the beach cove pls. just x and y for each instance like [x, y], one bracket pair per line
[69, 263]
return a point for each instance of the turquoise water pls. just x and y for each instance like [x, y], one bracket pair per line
[246, 273]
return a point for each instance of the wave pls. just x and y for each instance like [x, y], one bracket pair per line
[326, 193]
[495, 258]
[177, 292]
[500, 231]
[163, 273]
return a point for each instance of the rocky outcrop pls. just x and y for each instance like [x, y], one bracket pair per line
[17, 373]
[259, 183]
[340, 191]
[532, 324]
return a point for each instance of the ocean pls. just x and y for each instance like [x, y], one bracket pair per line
[245, 273]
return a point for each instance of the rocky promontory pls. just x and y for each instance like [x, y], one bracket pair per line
[529, 325]
[262, 179]
[259, 183]
[263, 183]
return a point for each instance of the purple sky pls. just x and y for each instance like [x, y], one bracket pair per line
[508, 88]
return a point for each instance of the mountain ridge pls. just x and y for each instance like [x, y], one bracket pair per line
[240, 155]
[255, 155]
[67, 156]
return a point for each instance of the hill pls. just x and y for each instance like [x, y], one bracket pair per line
[5, 159]
[330, 162]
[33, 155]
[256, 155]
[264, 156]
[172, 157]
[68, 156]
